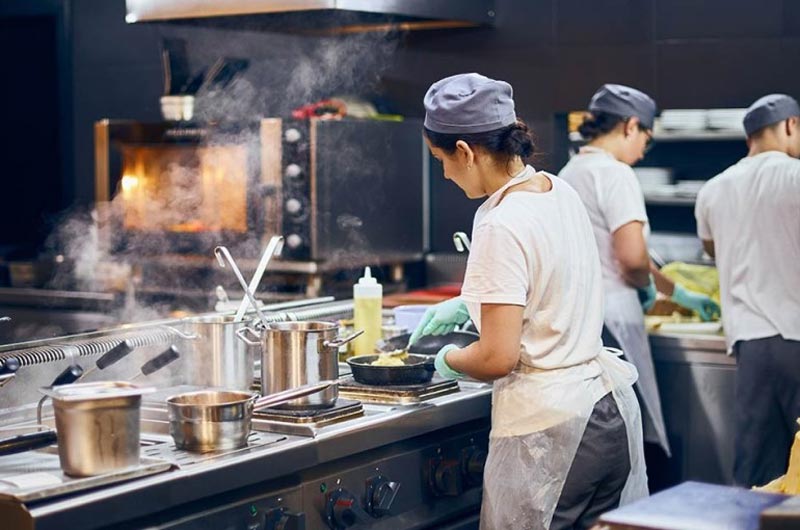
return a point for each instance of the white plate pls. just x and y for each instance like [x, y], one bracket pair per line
[703, 328]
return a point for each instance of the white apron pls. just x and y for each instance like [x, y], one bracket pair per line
[625, 320]
[538, 420]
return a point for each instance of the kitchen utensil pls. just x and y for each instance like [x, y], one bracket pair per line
[223, 255]
[95, 434]
[97, 425]
[417, 369]
[294, 354]
[273, 248]
[215, 420]
[217, 358]
[461, 241]
[431, 344]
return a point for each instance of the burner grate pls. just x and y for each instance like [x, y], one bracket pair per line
[397, 395]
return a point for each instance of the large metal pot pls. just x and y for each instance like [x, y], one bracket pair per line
[97, 425]
[216, 357]
[294, 354]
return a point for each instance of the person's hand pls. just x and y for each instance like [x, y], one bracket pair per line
[647, 295]
[441, 363]
[440, 319]
[702, 304]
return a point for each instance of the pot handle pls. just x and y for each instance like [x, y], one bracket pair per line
[341, 341]
[241, 334]
[183, 334]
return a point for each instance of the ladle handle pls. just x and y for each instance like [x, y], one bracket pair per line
[271, 250]
[341, 341]
[294, 393]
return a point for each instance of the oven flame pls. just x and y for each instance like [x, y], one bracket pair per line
[129, 183]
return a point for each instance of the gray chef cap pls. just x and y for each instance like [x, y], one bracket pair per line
[625, 102]
[469, 103]
[770, 109]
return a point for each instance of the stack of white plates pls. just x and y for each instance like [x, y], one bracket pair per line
[684, 119]
[651, 178]
[726, 119]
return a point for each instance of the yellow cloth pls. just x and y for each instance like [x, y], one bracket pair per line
[789, 483]
[698, 278]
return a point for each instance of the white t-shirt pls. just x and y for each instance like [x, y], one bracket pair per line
[613, 198]
[537, 250]
[751, 211]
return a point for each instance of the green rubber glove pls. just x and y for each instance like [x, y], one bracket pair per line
[647, 295]
[440, 319]
[702, 304]
[442, 367]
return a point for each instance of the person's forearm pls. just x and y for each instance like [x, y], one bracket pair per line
[479, 362]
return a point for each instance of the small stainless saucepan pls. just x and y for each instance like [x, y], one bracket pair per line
[216, 420]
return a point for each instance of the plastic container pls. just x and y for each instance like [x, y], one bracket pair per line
[367, 305]
[409, 316]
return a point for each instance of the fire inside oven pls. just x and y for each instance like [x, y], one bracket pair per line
[184, 189]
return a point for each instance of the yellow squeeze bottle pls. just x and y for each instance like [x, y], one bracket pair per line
[367, 305]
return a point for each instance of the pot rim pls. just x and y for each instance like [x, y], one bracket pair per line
[246, 396]
[299, 326]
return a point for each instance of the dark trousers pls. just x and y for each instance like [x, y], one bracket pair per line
[767, 407]
[598, 473]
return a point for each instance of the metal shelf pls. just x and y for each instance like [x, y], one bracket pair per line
[683, 136]
[669, 200]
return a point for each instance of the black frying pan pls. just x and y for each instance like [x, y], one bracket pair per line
[419, 363]
[417, 369]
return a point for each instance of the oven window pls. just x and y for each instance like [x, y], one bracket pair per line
[184, 188]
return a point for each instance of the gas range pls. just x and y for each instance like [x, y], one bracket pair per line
[394, 466]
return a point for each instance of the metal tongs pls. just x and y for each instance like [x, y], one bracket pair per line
[274, 248]
[223, 255]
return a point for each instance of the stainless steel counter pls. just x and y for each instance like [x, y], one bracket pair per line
[696, 381]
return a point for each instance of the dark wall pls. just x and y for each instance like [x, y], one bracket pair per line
[687, 53]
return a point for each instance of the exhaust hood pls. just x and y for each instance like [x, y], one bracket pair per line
[316, 14]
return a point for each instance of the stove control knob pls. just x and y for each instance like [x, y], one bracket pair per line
[381, 493]
[473, 458]
[446, 479]
[343, 511]
[280, 519]
[294, 241]
[292, 135]
[293, 171]
[294, 206]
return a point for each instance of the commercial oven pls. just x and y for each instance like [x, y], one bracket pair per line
[333, 188]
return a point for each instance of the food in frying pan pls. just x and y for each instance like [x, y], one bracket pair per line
[392, 358]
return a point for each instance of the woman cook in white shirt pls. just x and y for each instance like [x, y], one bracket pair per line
[618, 133]
[566, 441]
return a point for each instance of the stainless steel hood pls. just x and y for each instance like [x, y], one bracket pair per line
[412, 14]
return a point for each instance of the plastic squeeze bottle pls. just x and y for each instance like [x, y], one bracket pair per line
[367, 304]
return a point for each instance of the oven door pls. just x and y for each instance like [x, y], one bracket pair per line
[182, 189]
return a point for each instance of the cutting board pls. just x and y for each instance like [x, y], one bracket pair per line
[694, 506]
